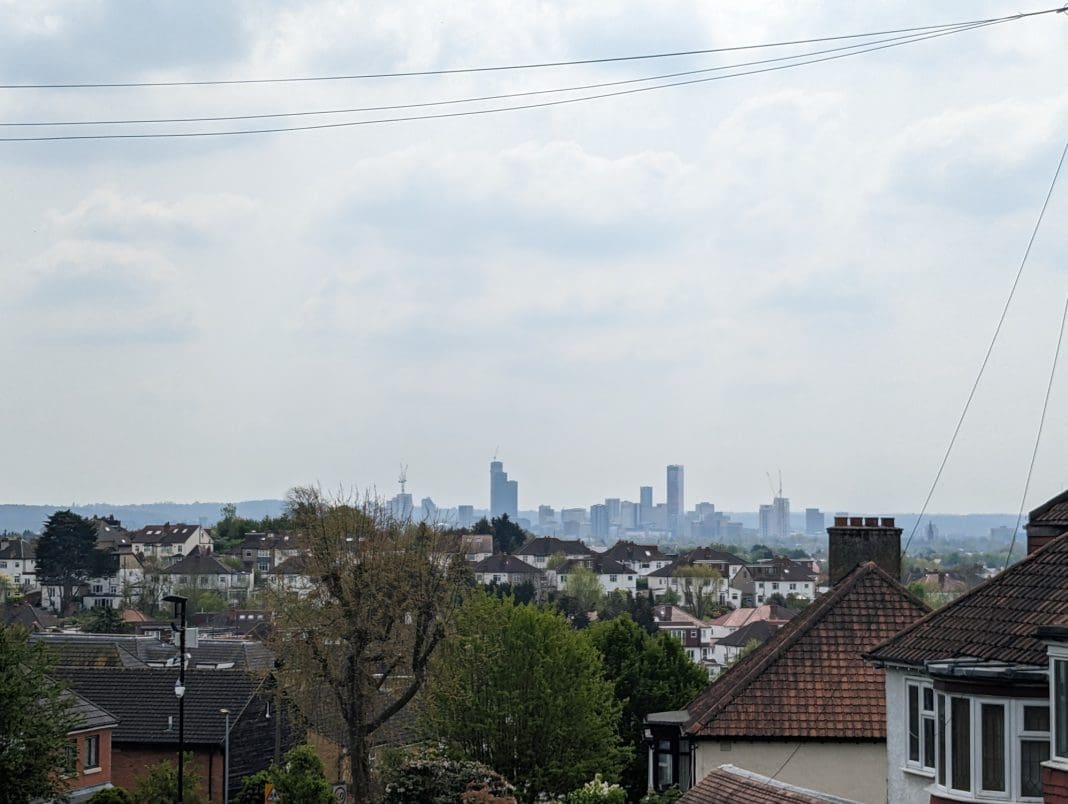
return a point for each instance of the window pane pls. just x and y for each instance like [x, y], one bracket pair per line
[1036, 718]
[914, 723]
[1060, 700]
[961, 745]
[1032, 754]
[942, 740]
[928, 742]
[993, 757]
[663, 770]
[928, 699]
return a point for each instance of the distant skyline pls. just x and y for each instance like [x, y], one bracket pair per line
[798, 270]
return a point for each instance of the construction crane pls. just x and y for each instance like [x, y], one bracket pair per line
[403, 476]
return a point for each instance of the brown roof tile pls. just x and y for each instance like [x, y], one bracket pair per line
[811, 673]
[995, 620]
[730, 785]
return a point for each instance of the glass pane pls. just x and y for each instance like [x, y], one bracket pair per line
[961, 745]
[914, 723]
[993, 745]
[942, 740]
[1032, 754]
[1060, 700]
[1036, 718]
[928, 742]
[928, 699]
[663, 770]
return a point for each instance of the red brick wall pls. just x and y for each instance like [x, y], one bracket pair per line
[1054, 786]
[130, 762]
[93, 778]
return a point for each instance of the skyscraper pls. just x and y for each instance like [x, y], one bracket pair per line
[676, 506]
[599, 521]
[504, 493]
[815, 522]
[645, 496]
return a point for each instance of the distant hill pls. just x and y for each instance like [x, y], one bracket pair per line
[18, 518]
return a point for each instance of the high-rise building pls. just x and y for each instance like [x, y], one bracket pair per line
[599, 521]
[765, 522]
[401, 507]
[465, 516]
[676, 505]
[815, 522]
[645, 496]
[628, 515]
[612, 503]
[775, 519]
[504, 493]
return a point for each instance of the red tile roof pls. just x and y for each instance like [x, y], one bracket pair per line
[995, 620]
[810, 680]
[730, 785]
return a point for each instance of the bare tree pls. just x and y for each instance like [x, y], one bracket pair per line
[700, 588]
[382, 599]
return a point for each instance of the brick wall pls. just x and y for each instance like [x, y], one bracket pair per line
[92, 778]
[130, 762]
[1054, 786]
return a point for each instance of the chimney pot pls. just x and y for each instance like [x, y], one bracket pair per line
[859, 540]
[888, 521]
[856, 522]
[871, 521]
[841, 521]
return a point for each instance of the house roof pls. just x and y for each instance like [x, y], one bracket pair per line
[163, 534]
[124, 650]
[143, 698]
[996, 620]
[711, 554]
[599, 564]
[748, 614]
[632, 551]
[728, 784]
[198, 563]
[811, 672]
[780, 568]
[668, 616]
[268, 541]
[294, 565]
[19, 550]
[760, 630]
[88, 715]
[28, 616]
[1053, 511]
[550, 545]
[502, 562]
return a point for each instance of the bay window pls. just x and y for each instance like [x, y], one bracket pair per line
[921, 725]
[1059, 701]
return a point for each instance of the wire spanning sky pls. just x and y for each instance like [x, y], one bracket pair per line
[797, 269]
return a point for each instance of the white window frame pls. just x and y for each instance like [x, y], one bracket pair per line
[1021, 735]
[1057, 653]
[92, 752]
[923, 714]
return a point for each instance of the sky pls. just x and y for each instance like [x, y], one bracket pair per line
[797, 271]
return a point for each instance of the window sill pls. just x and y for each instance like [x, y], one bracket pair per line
[948, 795]
[921, 772]
[91, 771]
[1056, 763]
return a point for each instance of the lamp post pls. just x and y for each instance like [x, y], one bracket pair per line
[226, 757]
[179, 688]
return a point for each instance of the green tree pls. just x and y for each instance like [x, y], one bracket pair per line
[67, 554]
[638, 606]
[649, 674]
[302, 778]
[515, 685]
[252, 787]
[106, 620]
[232, 529]
[507, 535]
[482, 527]
[35, 717]
[583, 586]
[160, 784]
[428, 776]
[202, 599]
[112, 795]
[556, 559]
[775, 599]
[760, 552]
[358, 646]
[700, 589]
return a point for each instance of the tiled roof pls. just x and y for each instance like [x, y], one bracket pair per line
[197, 563]
[730, 785]
[88, 715]
[19, 550]
[1052, 512]
[811, 673]
[122, 650]
[268, 541]
[294, 565]
[780, 568]
[760, 630]
[598, 564]
[632, 551]
[163, 534]
[995, 620]
[143, 699]
[667, 616]
[502, 562]
[745, 615]
[550, 545]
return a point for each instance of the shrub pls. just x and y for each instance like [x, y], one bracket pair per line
[112, 795]
[598, 791]
[669, 796]
[429, 777]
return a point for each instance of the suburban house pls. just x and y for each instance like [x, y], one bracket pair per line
[539, 550]
[733, 620]
[290, 576]
[503, 568]
[125, 650]
[168, 543]
[202, 570]
[694, 634]
[728, 784]
[805, 707]
[727, 649]
[783, 576]
[476, 546]
[144, 703]
[18, 563]
[677, 575]
[972, 713]
[263, 552]
[87, 769]
[612, 575]
[641, 558]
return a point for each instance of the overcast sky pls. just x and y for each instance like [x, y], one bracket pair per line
[799, 270]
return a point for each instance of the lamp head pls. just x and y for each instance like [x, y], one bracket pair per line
[179, 689]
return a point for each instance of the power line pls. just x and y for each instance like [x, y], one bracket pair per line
[527, 66]
[1038, 437]
[989, 350]
[506, 96]
[474, 112]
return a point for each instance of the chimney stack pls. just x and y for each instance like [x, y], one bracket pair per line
[855, 540]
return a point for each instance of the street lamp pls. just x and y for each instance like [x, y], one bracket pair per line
[179, 688]
[226, 757]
